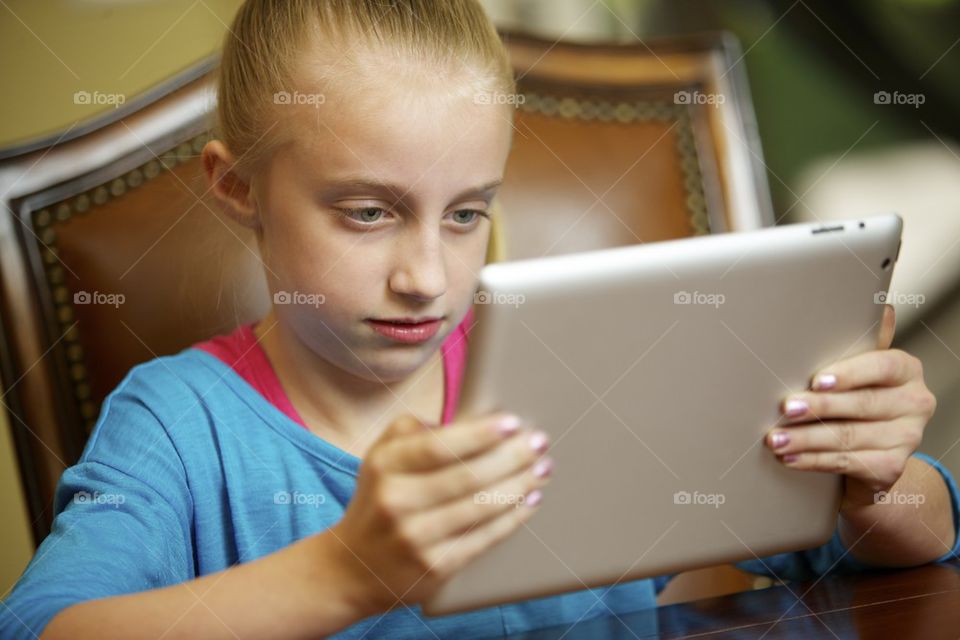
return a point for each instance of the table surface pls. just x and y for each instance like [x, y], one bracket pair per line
[923, 602]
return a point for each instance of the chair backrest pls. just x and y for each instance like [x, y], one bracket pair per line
[623, 144]
[112, 251]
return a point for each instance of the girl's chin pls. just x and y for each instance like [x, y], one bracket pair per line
[393, 363]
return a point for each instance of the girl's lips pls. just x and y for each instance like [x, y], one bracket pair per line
[407, 333]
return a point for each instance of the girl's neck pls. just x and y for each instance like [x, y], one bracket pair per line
[347, 411]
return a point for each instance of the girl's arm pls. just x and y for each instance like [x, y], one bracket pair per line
[299, 591]
[413, 522]
[910, 524]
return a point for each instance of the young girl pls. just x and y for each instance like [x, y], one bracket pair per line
[291, 480]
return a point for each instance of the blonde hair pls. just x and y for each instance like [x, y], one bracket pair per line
[269, 38]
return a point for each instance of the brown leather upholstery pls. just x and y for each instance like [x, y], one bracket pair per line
[624, 144]
[603, 155]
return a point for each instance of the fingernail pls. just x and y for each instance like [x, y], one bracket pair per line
[791, 457]
[543, 468]
[538, 441]
[508, 424]
[533, 498]
[780, 439]
[825, 381]
[795, 407]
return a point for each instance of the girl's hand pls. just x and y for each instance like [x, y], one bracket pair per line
[429, 500]
[863, 417]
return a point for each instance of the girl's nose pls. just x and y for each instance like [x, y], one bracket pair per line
[420, 272]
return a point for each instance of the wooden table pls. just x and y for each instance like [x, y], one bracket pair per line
[919, 603]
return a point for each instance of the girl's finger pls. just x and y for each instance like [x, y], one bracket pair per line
[888, 325]
[839, 436]
[404, 425]
[476, 474]
[873, 467]
[888, 367]
[867, 403]
[460, 515]
[452, 554]
[432, 449]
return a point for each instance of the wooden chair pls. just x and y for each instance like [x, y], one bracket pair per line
[608, 151]
[624, 144]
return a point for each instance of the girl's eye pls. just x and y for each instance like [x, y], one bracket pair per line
[369, 216]
[466, 216]
[365, 215]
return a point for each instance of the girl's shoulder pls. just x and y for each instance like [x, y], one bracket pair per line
[190, 374]
[172, 406]
[167, 393]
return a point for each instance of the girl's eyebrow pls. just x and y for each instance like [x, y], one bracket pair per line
[346, 186]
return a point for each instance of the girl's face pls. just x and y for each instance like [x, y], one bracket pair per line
[377, 208]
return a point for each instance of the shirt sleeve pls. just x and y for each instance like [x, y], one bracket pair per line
[834, 557]
[122, 520]
[660, 582]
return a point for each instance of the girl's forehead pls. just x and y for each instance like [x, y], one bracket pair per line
[377, 81]
[396, 127]
[364, 61]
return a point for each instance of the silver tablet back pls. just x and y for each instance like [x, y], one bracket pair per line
[658, 369]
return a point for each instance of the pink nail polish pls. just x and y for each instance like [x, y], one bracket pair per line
[795, 407]
[790, 457]
[533, 498]
[508, 424]
[780, 439]
[825, 381]
[543, 468]
[538, 441]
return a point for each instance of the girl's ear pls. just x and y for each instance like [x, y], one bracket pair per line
[230, 188]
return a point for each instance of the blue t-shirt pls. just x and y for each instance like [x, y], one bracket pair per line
[190, 471]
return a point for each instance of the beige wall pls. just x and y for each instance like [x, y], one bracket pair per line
[59, 47]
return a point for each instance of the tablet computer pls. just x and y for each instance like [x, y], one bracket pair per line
[657, 370]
